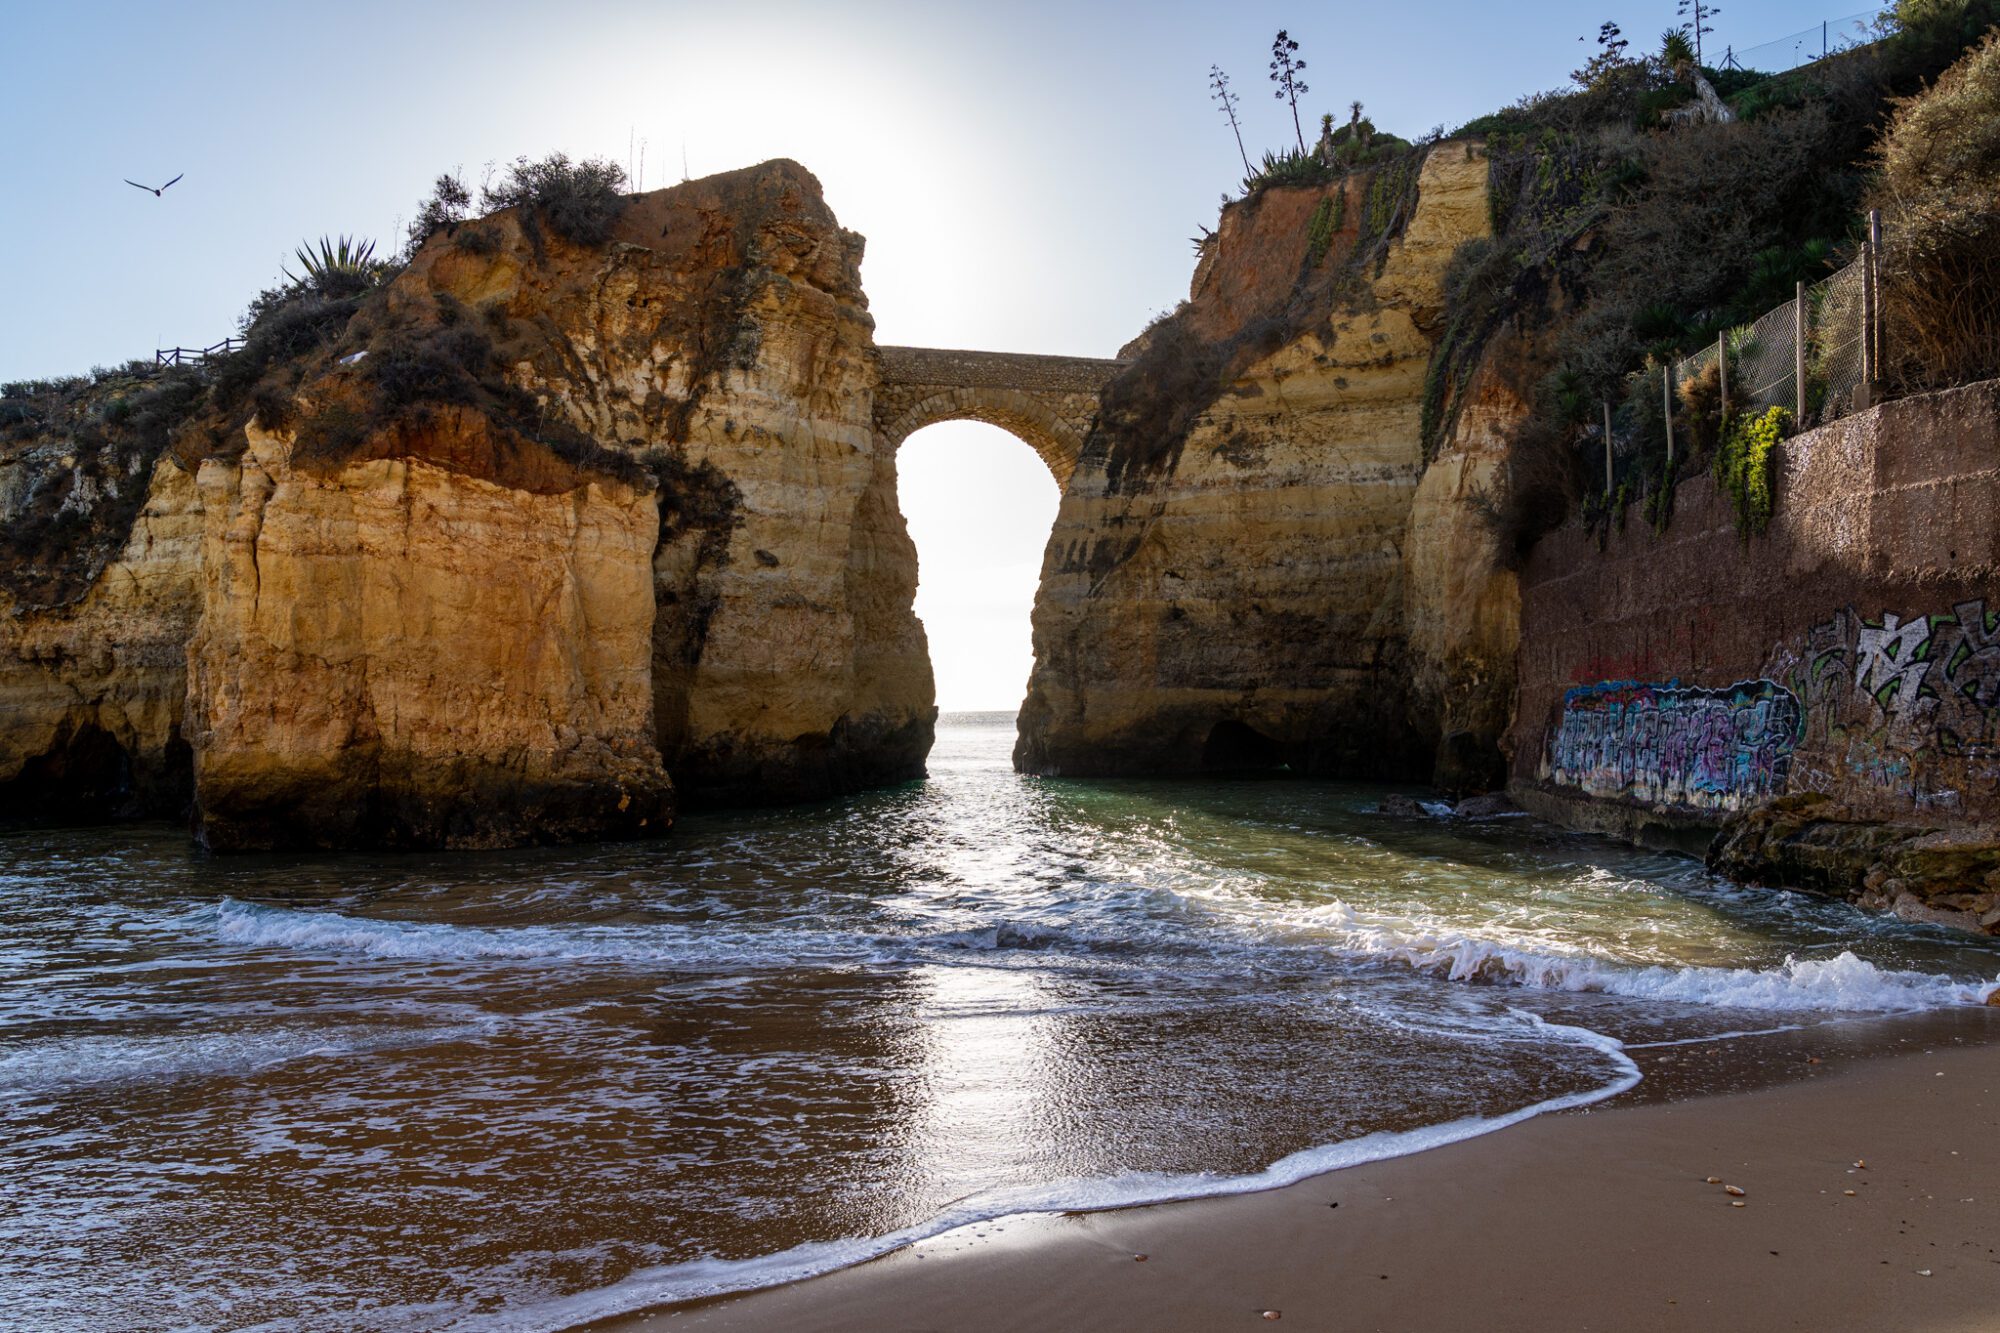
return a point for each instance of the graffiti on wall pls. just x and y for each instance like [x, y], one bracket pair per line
[1902, 711]
[1706, 749]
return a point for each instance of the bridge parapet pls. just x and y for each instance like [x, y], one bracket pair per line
[1048, 401]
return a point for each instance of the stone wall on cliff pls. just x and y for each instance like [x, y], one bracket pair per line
[1244, 600]
[1844, 666]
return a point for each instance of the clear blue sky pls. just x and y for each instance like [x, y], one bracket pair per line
[1027, 174]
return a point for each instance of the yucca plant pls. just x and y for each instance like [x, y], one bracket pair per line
[337, 267]
[1676, 52]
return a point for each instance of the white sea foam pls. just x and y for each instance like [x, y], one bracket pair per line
[1844, 983]
[700, 947]
[82, 1060]
[701, 1278]
[1841, 984]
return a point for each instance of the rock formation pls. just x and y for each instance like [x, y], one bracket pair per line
[1285, 585]
[484, 557]
[92, 677]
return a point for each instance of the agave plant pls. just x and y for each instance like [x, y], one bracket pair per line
[347, 264]
[1677, 52]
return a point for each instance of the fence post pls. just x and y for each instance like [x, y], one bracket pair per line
[1799, 357]
[1607, 446]
[1722, 377]
[1877, 324]
[1864, 395]
[1667, 408]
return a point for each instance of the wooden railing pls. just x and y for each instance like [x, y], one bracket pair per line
[194, 356]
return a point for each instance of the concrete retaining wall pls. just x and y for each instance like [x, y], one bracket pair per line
[1670, 680]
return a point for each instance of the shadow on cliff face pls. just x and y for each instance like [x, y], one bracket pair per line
[1233, 747]
[87, 776]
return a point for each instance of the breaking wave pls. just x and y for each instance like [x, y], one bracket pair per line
[701, 947]
[1844, 983]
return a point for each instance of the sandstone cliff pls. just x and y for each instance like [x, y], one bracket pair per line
[485, 555]
[1284, 584]
[92, 675]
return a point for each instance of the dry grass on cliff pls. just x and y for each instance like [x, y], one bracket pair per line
[405, 385]
[1939, 192]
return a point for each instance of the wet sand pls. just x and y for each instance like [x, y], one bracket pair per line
[1596, 1219]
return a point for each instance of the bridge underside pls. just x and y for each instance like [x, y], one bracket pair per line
[1049, 402]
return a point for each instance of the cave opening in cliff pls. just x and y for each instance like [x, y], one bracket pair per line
[979, 504]
[1236, 747]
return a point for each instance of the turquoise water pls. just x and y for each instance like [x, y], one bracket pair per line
[513, 1090]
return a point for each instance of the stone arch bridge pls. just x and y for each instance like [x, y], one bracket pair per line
[1047, 401]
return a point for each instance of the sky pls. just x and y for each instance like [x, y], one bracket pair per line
[1028, 174]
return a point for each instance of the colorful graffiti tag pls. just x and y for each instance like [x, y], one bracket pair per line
[1707, 749]
[1902, 710]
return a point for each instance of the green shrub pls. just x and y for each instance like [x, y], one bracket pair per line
[287, 324]
[442, 211]
[1320, 230]
[444, 368]
[1658, 506]
[1743, 464]
[1288, 168]
[580, 201]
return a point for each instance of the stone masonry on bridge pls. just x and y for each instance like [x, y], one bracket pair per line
[1048, 401]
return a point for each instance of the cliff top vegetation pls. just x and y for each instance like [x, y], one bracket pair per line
[1623, 239]
[351, 355]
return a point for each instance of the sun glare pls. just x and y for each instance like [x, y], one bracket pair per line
[979, 504]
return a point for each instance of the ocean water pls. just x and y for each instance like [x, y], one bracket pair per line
[517, 1090]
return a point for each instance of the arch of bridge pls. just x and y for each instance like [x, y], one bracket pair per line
[1049, 402]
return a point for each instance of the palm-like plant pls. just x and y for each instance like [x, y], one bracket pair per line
[336, 266]
[1676, 52]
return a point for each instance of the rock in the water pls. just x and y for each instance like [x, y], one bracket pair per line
[1810, 842]
[1485, 807]
[508, 542]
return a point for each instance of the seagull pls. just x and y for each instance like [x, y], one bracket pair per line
[150, 190]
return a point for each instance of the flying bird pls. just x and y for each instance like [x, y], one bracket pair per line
[150, 190]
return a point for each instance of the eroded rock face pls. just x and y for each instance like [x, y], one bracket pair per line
[1250, 601]
[91, 690]
[1462, 596]
[724, 340]
[538, 525]
[402, 655]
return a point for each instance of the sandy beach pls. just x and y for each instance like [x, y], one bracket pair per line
[1598, 1219]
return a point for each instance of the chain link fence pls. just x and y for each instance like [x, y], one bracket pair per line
[1813, 356]
[1807, 45]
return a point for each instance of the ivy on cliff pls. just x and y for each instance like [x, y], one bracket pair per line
[1743, 464]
